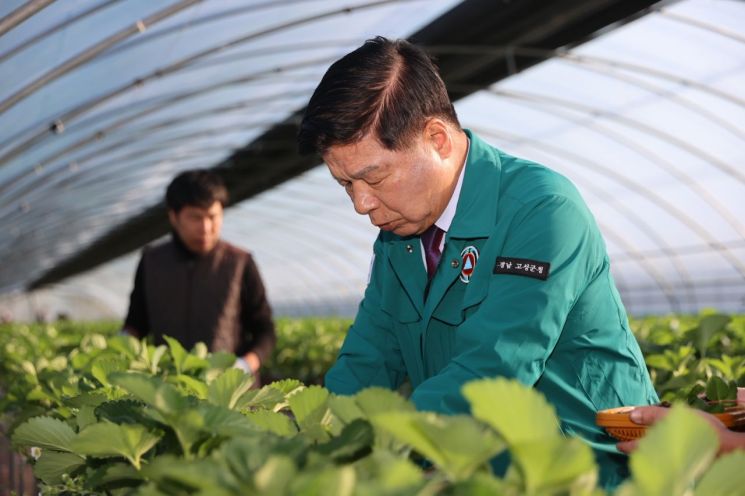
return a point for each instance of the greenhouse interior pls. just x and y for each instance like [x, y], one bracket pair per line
[640, 104]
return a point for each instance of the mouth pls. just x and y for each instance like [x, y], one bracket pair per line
[387, 226]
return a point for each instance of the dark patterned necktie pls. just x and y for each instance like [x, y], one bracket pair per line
[431, 239]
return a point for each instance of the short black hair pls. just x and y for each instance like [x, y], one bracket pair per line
[196, 188]
[389, 87]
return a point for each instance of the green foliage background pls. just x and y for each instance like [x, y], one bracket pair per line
[101, 413]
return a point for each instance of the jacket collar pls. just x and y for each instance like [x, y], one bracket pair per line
[185, 252]
[476, 213]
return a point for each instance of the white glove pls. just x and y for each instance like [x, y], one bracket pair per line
[242, 364]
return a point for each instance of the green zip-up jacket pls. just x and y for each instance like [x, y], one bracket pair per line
[539, 306]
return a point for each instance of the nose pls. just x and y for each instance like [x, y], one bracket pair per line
[363, 198]
[206, 225]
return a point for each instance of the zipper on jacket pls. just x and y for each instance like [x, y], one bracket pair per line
[189, 291]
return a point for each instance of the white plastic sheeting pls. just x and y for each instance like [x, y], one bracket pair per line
[647, 119]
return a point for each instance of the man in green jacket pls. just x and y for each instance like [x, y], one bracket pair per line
[486, 265]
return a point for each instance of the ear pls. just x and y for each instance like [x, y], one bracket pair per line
[437, 133]
[173, 218]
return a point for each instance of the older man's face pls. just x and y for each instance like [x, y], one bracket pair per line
[401, 191]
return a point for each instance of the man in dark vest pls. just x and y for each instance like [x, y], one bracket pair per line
[195, 287]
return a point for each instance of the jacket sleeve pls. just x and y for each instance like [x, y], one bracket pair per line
[517, 325]
[137, 321]
[256, 315]
[370, 355]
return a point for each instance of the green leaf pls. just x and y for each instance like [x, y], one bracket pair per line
[354, 442]
[277, 423]
[196, 424]
[481, 484]
[30, 370]
[104, 440]
[718, 389]
[112, 473]
[658, 362]
[228, 388]
[190, 385]
[105, 365]
[673, 453]
[308, 402]
[457, 444]
[183, 360]
[125, 345]
[197, 475]
[310, 407]
[387, 473]
[376, 400]
[627, 488]
[246, 455]
[345, 408]
[726, 477]
[188, 425]
[44, 432]
[178, 353]
[38, 394]
[86, 416]
[89, 398]
[222, 421]
[217, 360]
[154, 356]
[725, 365]
[694, 393]
[708, 326]
[149, 489]
[151, 390]
[518, 413]
[52, 465]
[121, 412]
[275, 475]
[200, 350]
[286, 385]
[337, 481]
[267, 398]
[555, 465]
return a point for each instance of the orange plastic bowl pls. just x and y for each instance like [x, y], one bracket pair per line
[617, 423]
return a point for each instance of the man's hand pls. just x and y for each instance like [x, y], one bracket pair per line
[648, 415]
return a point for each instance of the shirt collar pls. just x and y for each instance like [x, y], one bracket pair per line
[446, 219]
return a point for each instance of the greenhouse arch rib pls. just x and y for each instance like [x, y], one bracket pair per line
[545, 25]
[63, 120]
[540, 100]
[641, 224]
[21, 14]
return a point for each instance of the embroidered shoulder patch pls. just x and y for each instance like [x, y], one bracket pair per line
[522, 267]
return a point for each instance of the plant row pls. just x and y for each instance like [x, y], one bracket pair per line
[99, 413]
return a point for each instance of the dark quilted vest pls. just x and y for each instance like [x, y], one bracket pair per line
[195, 298]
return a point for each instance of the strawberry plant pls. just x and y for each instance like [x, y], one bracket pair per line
[99, 413]
[715, 397]
[686, 352]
